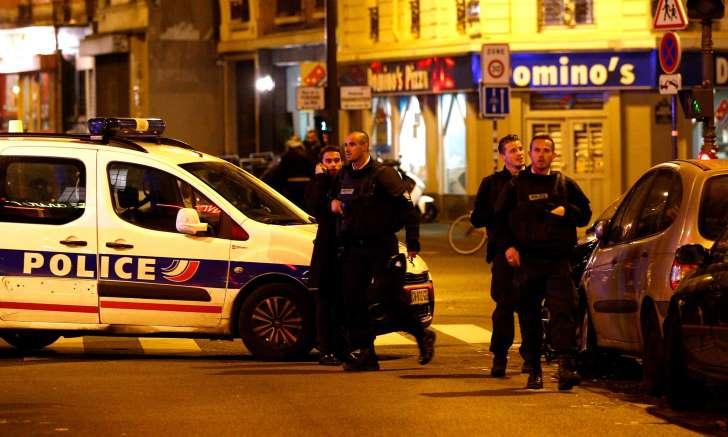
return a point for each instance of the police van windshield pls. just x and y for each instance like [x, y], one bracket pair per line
[252, 197]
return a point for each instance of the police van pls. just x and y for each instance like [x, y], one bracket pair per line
[126, 232]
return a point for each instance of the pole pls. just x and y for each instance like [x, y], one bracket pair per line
[708, 80]
[495, 145]
[332, 73]
[673, 132]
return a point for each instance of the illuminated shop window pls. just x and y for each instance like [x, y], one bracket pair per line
[588, 147]
[412, 137]
[452, 112]
[566, 12]
[553, 129]
[382, 127]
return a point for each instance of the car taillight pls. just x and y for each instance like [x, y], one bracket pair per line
[679, 271]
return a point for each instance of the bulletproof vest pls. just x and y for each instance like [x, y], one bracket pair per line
[368, 211]
[534, 227]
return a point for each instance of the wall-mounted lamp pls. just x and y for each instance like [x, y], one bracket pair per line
[265, 84]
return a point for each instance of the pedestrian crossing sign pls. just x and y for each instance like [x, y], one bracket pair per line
[670, 15]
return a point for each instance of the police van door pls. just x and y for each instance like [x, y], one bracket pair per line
[48, 228]
[149, 273]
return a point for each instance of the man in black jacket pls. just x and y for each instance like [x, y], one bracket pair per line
[540, 210]
[373, 204]
[502, 291]
[324, 276]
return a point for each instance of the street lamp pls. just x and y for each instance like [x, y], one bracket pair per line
[265, 84]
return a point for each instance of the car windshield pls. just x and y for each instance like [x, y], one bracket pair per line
[249, 195]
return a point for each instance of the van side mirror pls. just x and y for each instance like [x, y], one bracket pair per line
[188, 222]
[691, 254]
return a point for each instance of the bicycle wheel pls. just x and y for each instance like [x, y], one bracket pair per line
[464, 238]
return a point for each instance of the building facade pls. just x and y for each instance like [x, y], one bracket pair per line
[583, 71]
[158, 59]
[279, 45]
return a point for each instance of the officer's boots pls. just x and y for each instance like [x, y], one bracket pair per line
[535, 377]
[568, 377]
[500, 362]
[361, 360]
[426, 344]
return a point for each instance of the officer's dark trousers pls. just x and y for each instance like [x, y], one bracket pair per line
[505, 296]
[328, 313]
[364, 260]
[537, 279]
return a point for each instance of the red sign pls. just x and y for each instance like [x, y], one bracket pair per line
[669, 52]
[669, 15]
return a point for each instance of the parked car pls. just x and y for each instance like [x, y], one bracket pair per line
[696, 326]
[633, 272]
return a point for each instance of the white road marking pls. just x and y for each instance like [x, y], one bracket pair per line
[466, 332]
[169, 345]
[393, 339]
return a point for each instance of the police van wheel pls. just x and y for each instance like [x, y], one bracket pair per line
[277, 322]
[27, 342]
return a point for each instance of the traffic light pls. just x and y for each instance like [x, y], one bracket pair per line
[706, 9]
[697, 102]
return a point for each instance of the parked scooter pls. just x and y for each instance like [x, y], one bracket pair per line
[416, 187]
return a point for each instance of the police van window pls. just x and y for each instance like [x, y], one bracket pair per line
[41, 190]
[151, 198]
[253, 198]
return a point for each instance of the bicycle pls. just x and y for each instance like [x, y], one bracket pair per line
[464, 238]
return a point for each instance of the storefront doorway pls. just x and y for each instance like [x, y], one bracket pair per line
[580, 153]
[412, 137]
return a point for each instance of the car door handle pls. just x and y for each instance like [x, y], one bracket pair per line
[117, 245]
[74, 243]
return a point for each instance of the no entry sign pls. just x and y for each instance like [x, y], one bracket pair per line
[669, 52]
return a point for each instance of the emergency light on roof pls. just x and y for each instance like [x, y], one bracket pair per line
[126, 127]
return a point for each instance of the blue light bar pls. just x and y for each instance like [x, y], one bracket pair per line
[126, 127]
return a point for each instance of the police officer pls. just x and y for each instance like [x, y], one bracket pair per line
[373, 205]
[502, 291]
[324, 276]
[542, 209]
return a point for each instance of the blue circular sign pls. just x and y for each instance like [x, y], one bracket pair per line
[669, 52]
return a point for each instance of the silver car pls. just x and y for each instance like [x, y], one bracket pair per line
[633, 272]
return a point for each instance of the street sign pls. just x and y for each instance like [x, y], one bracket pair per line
[310, 97]
[670, 83]
[670, 15]
[495, 62]
[669, 53]
[495, 102]
[356, 97]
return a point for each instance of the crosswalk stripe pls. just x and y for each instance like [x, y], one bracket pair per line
[393, 339]
[465, 332]
[169, 345]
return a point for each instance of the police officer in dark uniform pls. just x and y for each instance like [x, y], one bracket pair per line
[542, 209]
[324, 275]
[373, 205]
[502, 291]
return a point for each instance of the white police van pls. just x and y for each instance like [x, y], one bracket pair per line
[124, 232]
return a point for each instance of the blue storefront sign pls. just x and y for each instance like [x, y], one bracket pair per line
[584, 71]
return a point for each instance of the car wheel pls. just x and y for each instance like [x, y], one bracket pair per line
[30, 341]
[681, 391]
[653, 354]
[586, 341]
[276, 322]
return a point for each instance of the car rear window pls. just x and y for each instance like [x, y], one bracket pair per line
[713, 217]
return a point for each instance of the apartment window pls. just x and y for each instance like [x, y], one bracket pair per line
[467, 14]
[240, 11]
[460, 15]
[566, 12]
[288, 8]
[415, 15]
[374, 23]
[319, 4]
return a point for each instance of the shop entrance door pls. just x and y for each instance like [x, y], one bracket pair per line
[579, 154]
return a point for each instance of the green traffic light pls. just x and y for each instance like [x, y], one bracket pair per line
[697, 108]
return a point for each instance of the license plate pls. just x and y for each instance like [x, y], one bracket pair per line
[419, 296]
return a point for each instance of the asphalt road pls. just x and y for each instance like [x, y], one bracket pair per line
[130, 386]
